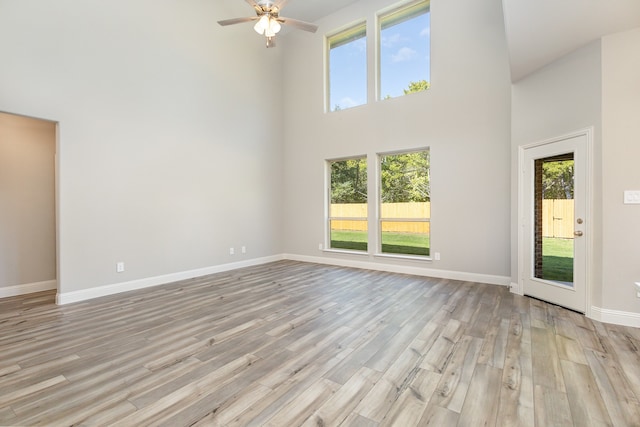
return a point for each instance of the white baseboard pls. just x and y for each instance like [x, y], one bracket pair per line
[116, 288]
[624, 318]
[28, 288]
[416, 271]
[516, 288]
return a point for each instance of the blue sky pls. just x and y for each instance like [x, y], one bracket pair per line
[404, 57]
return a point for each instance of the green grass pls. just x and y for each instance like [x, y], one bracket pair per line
[351, 240]
[557, 259]
[392, 243]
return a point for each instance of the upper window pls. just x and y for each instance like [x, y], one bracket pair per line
[347, 79]
[405, 203]
[348, 227]
[405, 50]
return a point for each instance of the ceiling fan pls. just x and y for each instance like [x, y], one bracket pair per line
[269, 22]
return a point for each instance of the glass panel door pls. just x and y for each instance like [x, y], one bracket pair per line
[554, 219]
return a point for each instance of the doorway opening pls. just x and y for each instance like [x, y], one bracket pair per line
[554, 221]
[28, 190]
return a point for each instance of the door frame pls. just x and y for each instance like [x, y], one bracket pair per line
[588, 217]
[46, 285]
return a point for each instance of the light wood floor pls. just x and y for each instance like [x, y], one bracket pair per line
[301, 344]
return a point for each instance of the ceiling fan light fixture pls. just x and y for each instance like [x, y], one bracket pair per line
[267, 20]
[267, 25]
[263, 24]
[274, 26]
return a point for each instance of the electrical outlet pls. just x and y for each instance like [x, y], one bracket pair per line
[119, 267]
[436, 256]
[638, 289]
[631, 197]
[319, 246]
[232, 251]
[244, 250]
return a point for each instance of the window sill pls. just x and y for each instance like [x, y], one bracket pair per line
[379, 255]
[408, 257]
[345, 251]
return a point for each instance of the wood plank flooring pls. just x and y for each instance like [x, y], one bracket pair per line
[291, 343]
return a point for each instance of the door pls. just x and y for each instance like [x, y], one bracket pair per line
[554, 221]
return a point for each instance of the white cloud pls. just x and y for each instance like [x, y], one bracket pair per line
[426, 32]
[391, 40]
[404, 54]
[361, 44]
[347, 102]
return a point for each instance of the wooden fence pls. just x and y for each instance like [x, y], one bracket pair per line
[417, 210]
[557, 217]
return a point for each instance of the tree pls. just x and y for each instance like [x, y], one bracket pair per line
[418, 86]
[557, 179]
[405, 177]
[349, 181]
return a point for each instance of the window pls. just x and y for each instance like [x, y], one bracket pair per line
[404, 47]
[348, 226]
[405, 203]
[347, 77]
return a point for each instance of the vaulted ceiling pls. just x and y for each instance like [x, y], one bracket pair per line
[541, 31]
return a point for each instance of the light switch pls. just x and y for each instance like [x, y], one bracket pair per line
[631, 197]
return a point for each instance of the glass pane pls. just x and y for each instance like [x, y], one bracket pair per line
[406, 238]
[348, 69]
[348, 204]
[405, 178]
[554, 219]
[405, 58]
[405, 193]
[350, 235]
[349, 181]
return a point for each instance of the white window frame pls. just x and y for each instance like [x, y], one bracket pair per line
[329, 218]
[396, 12]
[380, 219]
[344, 35]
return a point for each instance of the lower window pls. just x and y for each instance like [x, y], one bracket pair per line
[405, 203]
[348, 217]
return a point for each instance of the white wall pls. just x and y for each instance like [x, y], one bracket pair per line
[27, 204]
[598, 86]
[463, 118]
[561, 98]
[621, 151]
[169, 146]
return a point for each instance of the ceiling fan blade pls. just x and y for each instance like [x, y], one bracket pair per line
[301, 25]
[234, 21]
[254, 5]
[280, 4]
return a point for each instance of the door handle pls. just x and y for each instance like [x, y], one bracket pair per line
[578, 233]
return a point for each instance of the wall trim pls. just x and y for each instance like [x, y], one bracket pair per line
[28, 288]
[516, 288]
[63, 298]
[416, 271]
[623, 318]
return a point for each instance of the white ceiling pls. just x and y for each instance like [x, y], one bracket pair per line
[538, 31]
[541, 31]
[312, 10]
